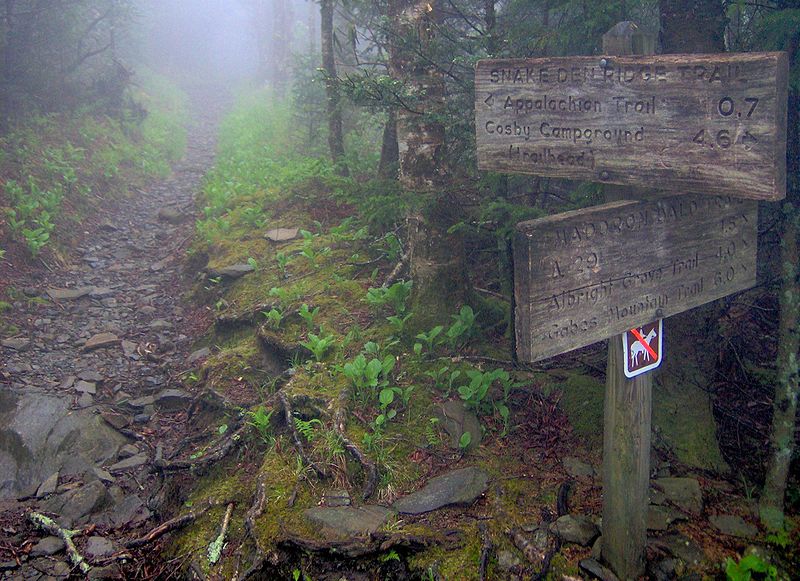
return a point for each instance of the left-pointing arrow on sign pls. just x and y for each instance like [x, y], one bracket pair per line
[489, 100]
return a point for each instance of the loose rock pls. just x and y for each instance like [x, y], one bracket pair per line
[347, 521]
[578, 529]
[101, 340]
[233, 271]
[734, 526]
[685, 493]
[47, 546]
[460, 487]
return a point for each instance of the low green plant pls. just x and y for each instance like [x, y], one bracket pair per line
[398, 323]
[432, 432]
[395, 296]
[747, 566]
[368, 377]
[252, 262]
[274, 317]
[464, 441]
[283, 261]
[429, 340]
[463, 327]
[308, 315]
[474, 393]
[260, 420]
[307, 428]
[318, 345]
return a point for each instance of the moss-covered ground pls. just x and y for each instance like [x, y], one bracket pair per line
[314, 322]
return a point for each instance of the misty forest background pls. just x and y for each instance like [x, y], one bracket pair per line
[362, 113]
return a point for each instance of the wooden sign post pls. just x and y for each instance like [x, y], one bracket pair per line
[712, 124]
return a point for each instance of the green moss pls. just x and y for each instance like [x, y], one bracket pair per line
[461, 564]
[582, 400]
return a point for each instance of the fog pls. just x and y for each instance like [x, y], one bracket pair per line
[218, 40]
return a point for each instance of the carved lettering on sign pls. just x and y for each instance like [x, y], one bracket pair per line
[713, 124]
[583, 276]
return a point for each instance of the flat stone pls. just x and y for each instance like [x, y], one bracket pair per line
[172, 400]
[348, 521]
[685, 493]
[85, 400]
[47, 546]
[339, 497]
[129, 510]
[103, 475]
[128, 348]
[88, 375]
[141, 402]
[199, 354]
[161, 324]
[129, 463]
[233, 271]
[102, 292]
[170, 215]
[578, 529]
[69, 294]
[40, 434]
[51, 570]
[86, 387]
[115, 420]
[732, 525]
[282, 234]
[48, 487]
[460, 487]
[659, 518]
[100, 340]
[79, 503]
[148, 310]
[99, 548]
[67, 382]
[456, 419]
[18, 344]
[8, 565]
[681, 547]
[506, 560]
[578, 468]
[127, 451]
[597, 571]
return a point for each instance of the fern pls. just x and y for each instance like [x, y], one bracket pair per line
[307, 428]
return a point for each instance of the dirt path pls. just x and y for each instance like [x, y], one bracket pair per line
[91, 384]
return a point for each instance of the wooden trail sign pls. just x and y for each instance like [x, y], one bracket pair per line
[586, 275]
[711, 123]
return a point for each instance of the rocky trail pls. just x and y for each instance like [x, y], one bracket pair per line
[91, 387]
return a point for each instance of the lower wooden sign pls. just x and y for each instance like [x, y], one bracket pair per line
[583, 276]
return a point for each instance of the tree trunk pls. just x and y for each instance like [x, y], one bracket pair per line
[437, 261]
[490, 20]
[787, 390]
[335, 133]
[692, 26]
[390, 153]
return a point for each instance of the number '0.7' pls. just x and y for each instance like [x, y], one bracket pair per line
[726, 107]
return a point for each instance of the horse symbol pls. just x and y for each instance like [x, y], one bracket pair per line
[639, 349]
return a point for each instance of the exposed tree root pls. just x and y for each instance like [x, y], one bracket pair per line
[298, 442]
[374, 544]
[219, 452]
[49, 526]
[215, 548]
[538, 555]
[173, 524]
[395, 274]
[486, 550]
[255, 511]
[370, 469]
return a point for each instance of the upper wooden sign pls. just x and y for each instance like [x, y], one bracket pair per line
[713, 124]
[583, 276]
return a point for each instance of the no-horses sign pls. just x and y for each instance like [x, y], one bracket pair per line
[643, 348]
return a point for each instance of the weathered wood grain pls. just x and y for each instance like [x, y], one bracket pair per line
[713, 124]
[583, 276]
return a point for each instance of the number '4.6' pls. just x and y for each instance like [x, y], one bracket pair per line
[723, 139]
